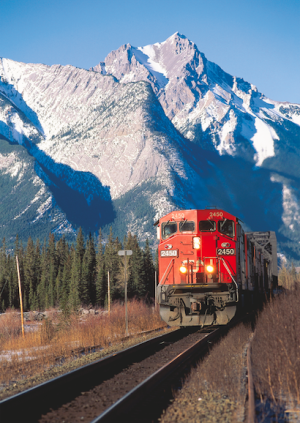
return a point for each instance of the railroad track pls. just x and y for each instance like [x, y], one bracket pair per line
[147, 400]
[120, 380]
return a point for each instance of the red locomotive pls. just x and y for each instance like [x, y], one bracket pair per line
[208, 266]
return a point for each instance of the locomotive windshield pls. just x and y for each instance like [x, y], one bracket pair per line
[226, 227]
[207, 225]
[168, 229]
[187, 226]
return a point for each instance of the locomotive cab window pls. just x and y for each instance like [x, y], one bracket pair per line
[187, 226]
[207, 225]
[168, 229]
[226, 227]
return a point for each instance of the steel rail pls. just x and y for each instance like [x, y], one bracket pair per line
[123, 409]
[29, 405]
[120, 411]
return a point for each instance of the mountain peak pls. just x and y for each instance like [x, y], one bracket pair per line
[177, 34]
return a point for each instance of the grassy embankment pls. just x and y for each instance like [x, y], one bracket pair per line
[58, 336]
[276, 352]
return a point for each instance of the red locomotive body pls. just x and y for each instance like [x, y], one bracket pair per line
[208, 265]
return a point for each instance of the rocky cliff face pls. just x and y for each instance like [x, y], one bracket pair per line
[207, 105]
[148, 130]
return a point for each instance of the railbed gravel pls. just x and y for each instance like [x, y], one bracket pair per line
[92, 403]
[213, 392]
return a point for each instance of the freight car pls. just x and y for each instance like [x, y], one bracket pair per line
[209, 267]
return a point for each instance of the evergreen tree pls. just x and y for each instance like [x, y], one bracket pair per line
[3, 277]
[112, 264]
[101, 282]
[74, 298]
[42, 290]
[58, 275]
[89, 269]
[136, 271]
[52, 270]
[65, 284]
[37, 259]
[12, 283]
[30, 279]
[149, 270]
[77, 271]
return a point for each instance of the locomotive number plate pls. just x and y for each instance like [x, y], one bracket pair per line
[169, 253]
[225, 251]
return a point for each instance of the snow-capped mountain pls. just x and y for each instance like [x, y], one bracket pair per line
[151, 129]
[206, 104]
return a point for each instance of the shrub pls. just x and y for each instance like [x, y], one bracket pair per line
[276, 349]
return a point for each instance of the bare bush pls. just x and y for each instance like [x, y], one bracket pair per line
[276, 349]
[288, 277]
[10, 326]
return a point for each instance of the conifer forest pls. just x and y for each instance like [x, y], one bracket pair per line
[56, 274]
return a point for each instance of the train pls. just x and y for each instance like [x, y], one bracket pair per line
[209, 267]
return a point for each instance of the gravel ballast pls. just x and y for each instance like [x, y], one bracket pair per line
[92, 403]
[215, 390]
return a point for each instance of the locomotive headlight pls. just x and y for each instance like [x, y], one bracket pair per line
[210, 268]
[196, 243]
[183, 269]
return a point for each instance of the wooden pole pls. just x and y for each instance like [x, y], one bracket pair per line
[126, 311]
[108, 293]
[20, 293]
[155, 291]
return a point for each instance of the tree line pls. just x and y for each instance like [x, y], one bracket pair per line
[56, 274]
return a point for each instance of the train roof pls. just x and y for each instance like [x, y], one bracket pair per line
[209, 213]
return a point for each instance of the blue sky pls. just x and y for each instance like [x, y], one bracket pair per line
[258, 40]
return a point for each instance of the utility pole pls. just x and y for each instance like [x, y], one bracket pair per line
[125, 253]
[108, 293]
[20, 293]
[155, 290]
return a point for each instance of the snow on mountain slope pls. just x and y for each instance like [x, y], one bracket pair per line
[122, 139]
[27, 205]
[53, 97]
[207, 105]
[149, 130]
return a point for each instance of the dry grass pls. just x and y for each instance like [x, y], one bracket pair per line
[10, 326]
[58, 336]
[288, 277]
[276, 350]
